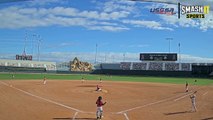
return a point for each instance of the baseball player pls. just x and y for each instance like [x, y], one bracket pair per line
[187, 87]
[44, 80]
[193, 98]
[82, 80]
[99, 104]
[98, 88]
[100, 80]
[13, 76]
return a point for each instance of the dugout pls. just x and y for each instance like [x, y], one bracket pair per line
[22, 69]
[202, 70]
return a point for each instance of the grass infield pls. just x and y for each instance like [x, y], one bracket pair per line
[174, 80]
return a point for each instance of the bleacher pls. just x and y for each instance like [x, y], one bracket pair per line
[24, 65]
[112, 66]
[172, 66]
[125, 65]
[139, 66]
[156, 66]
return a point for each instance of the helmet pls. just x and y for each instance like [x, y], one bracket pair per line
[100, 98]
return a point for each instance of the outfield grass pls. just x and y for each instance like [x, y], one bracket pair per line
[200, 81]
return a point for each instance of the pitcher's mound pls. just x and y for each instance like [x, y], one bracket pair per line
[89, 89]
[102, 90]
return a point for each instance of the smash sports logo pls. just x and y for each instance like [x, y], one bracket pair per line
[167, 11]
[193, 11]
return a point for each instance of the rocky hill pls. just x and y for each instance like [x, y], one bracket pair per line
[77, 65]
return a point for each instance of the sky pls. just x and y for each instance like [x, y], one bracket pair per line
[118, 29]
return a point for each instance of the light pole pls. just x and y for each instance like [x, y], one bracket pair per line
[179, 53]
[169, 39]
[25, 45]
[96, 49]
[33, 40]
[124, 57]
[39, 42]
[105, 57]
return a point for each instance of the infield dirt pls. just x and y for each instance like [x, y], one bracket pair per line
[59, 100]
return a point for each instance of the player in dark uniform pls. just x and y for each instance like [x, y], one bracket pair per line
[98, 88]
[187, 87]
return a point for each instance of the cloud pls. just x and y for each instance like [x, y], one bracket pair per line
[108, 28]
[185, 2]
[183, 22]
[18, 17]
[113, 15]
[202, 24]
[44, 2]
[195, 59]
[148, 24]
[117, 5]
[206, 23]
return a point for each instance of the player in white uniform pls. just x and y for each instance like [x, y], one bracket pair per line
[193, 99]
[100, 80]
[82, 80]
[44, 80]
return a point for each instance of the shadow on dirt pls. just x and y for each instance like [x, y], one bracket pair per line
[87, 86]
[174, 113]
[210, 118]
[75, 118]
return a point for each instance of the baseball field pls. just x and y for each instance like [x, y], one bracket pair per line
[73, 97]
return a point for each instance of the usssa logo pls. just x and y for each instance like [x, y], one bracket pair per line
[167, 11]
[193, 11]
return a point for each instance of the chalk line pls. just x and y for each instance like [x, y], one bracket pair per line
[76, 113]
[126, 116]
[205, 93]
[188, 94]
[183, 97]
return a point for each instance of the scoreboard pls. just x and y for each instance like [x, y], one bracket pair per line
[24, 57]
[158, 56]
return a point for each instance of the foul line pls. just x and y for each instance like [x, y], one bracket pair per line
[189, 94]
[50, 101]
[183, 97]
[205, 93]
[76, 113]
[126, 116]
[149, 104]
